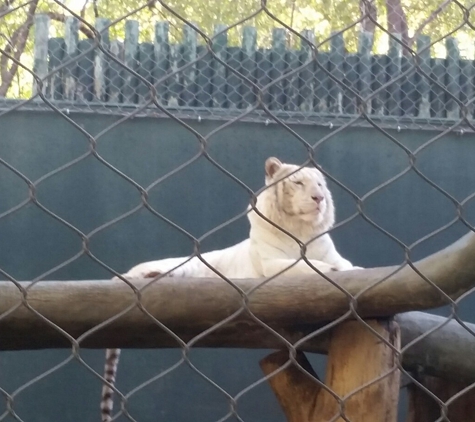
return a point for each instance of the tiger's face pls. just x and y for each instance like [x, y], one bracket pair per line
[303, 195]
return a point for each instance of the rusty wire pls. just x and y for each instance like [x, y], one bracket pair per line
[258, 111]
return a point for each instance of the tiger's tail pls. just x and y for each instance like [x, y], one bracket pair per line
[110, 372]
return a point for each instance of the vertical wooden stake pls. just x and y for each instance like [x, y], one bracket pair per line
[295, 390]
[423, 408]
[355, 358]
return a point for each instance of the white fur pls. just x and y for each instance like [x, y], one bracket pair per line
[301, 204]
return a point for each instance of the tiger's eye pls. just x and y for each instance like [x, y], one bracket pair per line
[299, 183]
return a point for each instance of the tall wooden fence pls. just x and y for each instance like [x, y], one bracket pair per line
[397, 84]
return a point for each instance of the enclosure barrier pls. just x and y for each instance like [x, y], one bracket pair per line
[368, 322]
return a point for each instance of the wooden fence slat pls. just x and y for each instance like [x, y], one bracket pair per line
[233, 81]
[393, 103]
[379, 79]
[409, 94]
[203, 79]
[175, 87]
[40, 54]
[322, 82]
[116, 72]
[85, 82]
[279, 38]
[423, 84]
[291, 84]
[188, 56]
[161, 54]
[71, 38]
[146, 66]
[336, 58]
[350, 103]
[307, 74]
[365, 46]
[131, 51]
[248, 64]
[219, 70]
[467, 76]
[54, 85]
[263, 78]
[453, 78]
[101, 61]
[438, 93]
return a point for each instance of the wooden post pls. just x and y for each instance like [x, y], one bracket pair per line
[279, 37]
[116, 72]
[423, 408]
[356, 357]
[219, 70]
[161, 53]
[40, 63]
[307, 74]
[71, 43]
[394, 71]
[337, 63]
[131, 52]
[232, 80]
[423, 86]
[189, 74]
[453, 78]
[55, 54]
[145, 70]
[101, 62]
[365, 46]
[295, 390]
[85, 83]
[248, 64]
[322, 82]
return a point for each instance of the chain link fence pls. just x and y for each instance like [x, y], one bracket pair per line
[387, 68]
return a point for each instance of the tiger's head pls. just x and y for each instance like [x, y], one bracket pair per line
[296, 199]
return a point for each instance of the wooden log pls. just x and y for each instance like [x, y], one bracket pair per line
[424, 408]
[322, 82]
[291, 83]
[175, 81]
[438, 93]
[350, 101]
[263, 75]
[362, 374]
[233, 81]
[380, 78]
[298, 305]
[295, 390]
[203, 80]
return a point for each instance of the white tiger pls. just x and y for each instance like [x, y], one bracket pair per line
[300, 204]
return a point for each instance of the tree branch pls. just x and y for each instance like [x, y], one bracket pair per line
[433, 16]
[60, 17]
[16, 47]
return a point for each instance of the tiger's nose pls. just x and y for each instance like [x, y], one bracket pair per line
[317, 198]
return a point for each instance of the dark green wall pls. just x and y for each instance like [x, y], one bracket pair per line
[87, 195]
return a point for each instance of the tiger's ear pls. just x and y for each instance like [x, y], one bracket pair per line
[272, 166]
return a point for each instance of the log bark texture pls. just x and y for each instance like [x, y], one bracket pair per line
[49, 312]
[362, 375]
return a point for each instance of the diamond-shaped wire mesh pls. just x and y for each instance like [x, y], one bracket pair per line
[134, 131]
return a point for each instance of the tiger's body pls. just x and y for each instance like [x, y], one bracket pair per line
[300, 204]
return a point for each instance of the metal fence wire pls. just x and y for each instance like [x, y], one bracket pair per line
[377, 65]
